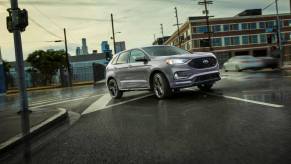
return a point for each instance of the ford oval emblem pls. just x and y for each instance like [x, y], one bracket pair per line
[205, 61]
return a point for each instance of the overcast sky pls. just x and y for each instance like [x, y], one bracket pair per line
[137, 20]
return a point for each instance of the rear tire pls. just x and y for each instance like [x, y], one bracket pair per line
[114, 90]
[161, 86]
[205, 87]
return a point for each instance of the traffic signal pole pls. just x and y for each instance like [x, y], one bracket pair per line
[19, 59]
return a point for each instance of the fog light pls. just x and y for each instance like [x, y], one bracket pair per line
[182, 75]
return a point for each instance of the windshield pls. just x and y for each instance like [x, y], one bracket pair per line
[164, 51]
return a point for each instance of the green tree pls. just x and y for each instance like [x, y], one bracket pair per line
[47, 63]
[6, 66]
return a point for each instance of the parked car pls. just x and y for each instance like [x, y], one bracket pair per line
[269, 62]
[239, 63]
[163, 69]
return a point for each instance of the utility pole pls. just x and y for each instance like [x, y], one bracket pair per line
[113, 34]
[162, 31]
[178, 28]
[15, 19]
[279, 41]
[68, 60]
[206, 12]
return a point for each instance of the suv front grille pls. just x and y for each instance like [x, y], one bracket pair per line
[205, 62]
[212, 76]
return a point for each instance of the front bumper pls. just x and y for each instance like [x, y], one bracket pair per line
[194, 80]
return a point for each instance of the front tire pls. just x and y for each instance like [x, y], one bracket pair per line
[161, 86]
[205, 87]
[114, 90]
[238, 69]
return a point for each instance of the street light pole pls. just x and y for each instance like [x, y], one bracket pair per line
[162, 31]
[68, 60]
[19, 59]
[178, 28]
[279, 41]
[206, 11]
[113, 34]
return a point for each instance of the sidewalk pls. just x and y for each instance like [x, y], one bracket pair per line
[12, 125]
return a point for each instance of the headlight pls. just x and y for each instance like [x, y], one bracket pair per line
[177, 61]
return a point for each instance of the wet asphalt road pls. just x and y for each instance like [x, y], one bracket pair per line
[245, 119]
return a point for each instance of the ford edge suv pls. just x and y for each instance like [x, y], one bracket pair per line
[162, 69]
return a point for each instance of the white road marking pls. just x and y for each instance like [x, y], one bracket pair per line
[120, 103]
[244, 100]
[99, 104]
[60, 102]
[50, 100]
[252, 91]
[253, 101]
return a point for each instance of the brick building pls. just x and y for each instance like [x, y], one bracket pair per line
[248, 33]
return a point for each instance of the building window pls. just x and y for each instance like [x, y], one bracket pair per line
[204, 43]
[262, 25]
[245, 40]
[201, 29]
[283, 38]
[232, 41]
[244, 26]
[270, 24]
[254, 39]
[227, 41]
[226, 28]
[217, 42]
[216, 28]
[234, 27]
[195, 44]
[235, 40]
[263, 38]
[252, 26]
[289, 22]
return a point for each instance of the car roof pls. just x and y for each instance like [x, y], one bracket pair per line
[144, 47]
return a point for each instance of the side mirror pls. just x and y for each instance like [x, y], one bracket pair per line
[141, 59]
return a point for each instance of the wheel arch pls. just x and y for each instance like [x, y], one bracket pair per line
[152, 75]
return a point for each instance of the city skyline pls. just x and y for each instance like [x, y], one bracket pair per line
[137, 21]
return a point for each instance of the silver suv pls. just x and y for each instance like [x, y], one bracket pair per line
[162, 69]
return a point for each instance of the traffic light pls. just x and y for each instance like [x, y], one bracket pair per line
[19, 23]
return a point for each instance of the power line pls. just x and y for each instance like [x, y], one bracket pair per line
[42, 27]
[43, 14]
[269, 5]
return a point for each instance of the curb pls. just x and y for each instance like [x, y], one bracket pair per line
[12, 142]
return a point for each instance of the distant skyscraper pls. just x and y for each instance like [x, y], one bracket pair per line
[84, 47]
[120, 46]
[105, 47]
[78, 51]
